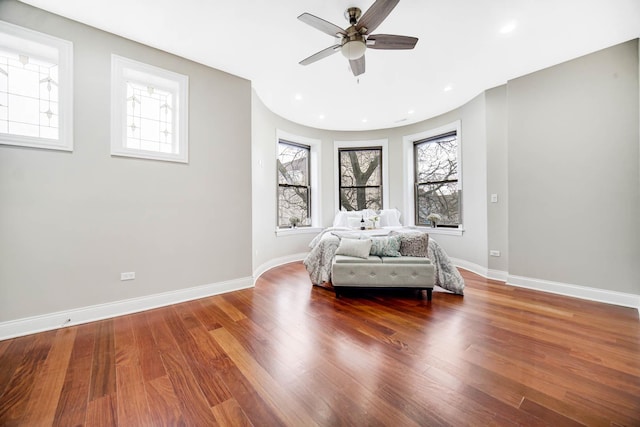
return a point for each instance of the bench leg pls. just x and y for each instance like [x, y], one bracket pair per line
[429, 292]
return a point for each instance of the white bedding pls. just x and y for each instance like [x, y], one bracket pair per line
[324, 245]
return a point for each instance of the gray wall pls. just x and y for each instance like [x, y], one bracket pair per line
[574, 207]
[497, 180]
[71, 222]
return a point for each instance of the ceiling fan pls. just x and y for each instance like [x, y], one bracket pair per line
[355, 39]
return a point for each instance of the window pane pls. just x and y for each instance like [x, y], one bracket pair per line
[442, 199]
[436, 160]
[149, 119]
[355, 199]
[293, 164]
[30, 92]
[293, 202]
[360, 167]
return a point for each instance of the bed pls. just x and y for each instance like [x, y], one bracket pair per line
[324, 245]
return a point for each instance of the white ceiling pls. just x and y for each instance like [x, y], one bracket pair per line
[461, 48]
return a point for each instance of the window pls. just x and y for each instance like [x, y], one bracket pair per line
[149, 111]
[360, 178]
[294, 190]
[36, 89]
[436, 180]
[432, 178]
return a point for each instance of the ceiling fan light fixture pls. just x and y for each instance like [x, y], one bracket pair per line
[353, 49]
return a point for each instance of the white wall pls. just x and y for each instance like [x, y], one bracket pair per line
[70, 223]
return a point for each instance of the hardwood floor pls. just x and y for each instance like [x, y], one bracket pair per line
[288, 353]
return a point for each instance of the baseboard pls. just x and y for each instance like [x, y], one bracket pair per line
[472, 267]
[576, 291]
[46, 322]
[498, 275]
[276, 262]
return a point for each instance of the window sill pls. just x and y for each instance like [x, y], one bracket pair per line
[297, 231]
[443, 231]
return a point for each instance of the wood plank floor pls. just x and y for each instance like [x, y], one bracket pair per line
[289, 353]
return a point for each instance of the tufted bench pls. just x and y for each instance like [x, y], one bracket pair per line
[403, 272]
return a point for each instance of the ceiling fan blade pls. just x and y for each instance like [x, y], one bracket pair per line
[390, 41]
[376, 14]
[322, 25]
[319, 55]
[357, 66]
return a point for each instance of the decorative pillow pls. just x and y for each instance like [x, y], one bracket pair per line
[414, 244]
[385, 246]
[354, 247]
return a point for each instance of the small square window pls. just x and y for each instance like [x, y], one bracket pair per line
[149, 111]
[36, 89]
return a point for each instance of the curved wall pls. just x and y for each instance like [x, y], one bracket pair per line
[269, 248]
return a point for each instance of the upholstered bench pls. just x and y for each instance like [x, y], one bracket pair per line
[398, 272]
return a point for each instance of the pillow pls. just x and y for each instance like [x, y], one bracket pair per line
[385, 246]
[354, 247]
[414, 244]
[390, 218]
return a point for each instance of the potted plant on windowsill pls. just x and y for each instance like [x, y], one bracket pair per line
[294, 221]
[433, 218]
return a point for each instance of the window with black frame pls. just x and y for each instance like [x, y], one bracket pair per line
[437, 190]
[294, 190]
[360, 179]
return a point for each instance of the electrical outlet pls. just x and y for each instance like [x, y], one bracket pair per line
[494, 253]
[494, 198]
[128, 276]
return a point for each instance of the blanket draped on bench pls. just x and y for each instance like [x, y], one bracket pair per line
[324, 245]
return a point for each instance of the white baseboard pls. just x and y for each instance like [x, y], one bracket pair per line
[46, 322]
[576, 291]
[276, 262]
[472, 267]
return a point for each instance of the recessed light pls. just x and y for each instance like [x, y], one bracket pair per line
[448, 88]
[410, 112]
[509, 27]
[364, 120]
[321, 116]
[298, 96]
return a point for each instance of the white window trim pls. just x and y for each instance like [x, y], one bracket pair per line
[314, 181]
[408, 178]
[337, 145]
[65, 87]
[167, 80]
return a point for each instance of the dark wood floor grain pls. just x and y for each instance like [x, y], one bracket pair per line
[289, 353]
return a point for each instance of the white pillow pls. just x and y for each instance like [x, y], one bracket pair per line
[354, 247]
[390, 218]
[342, 218]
